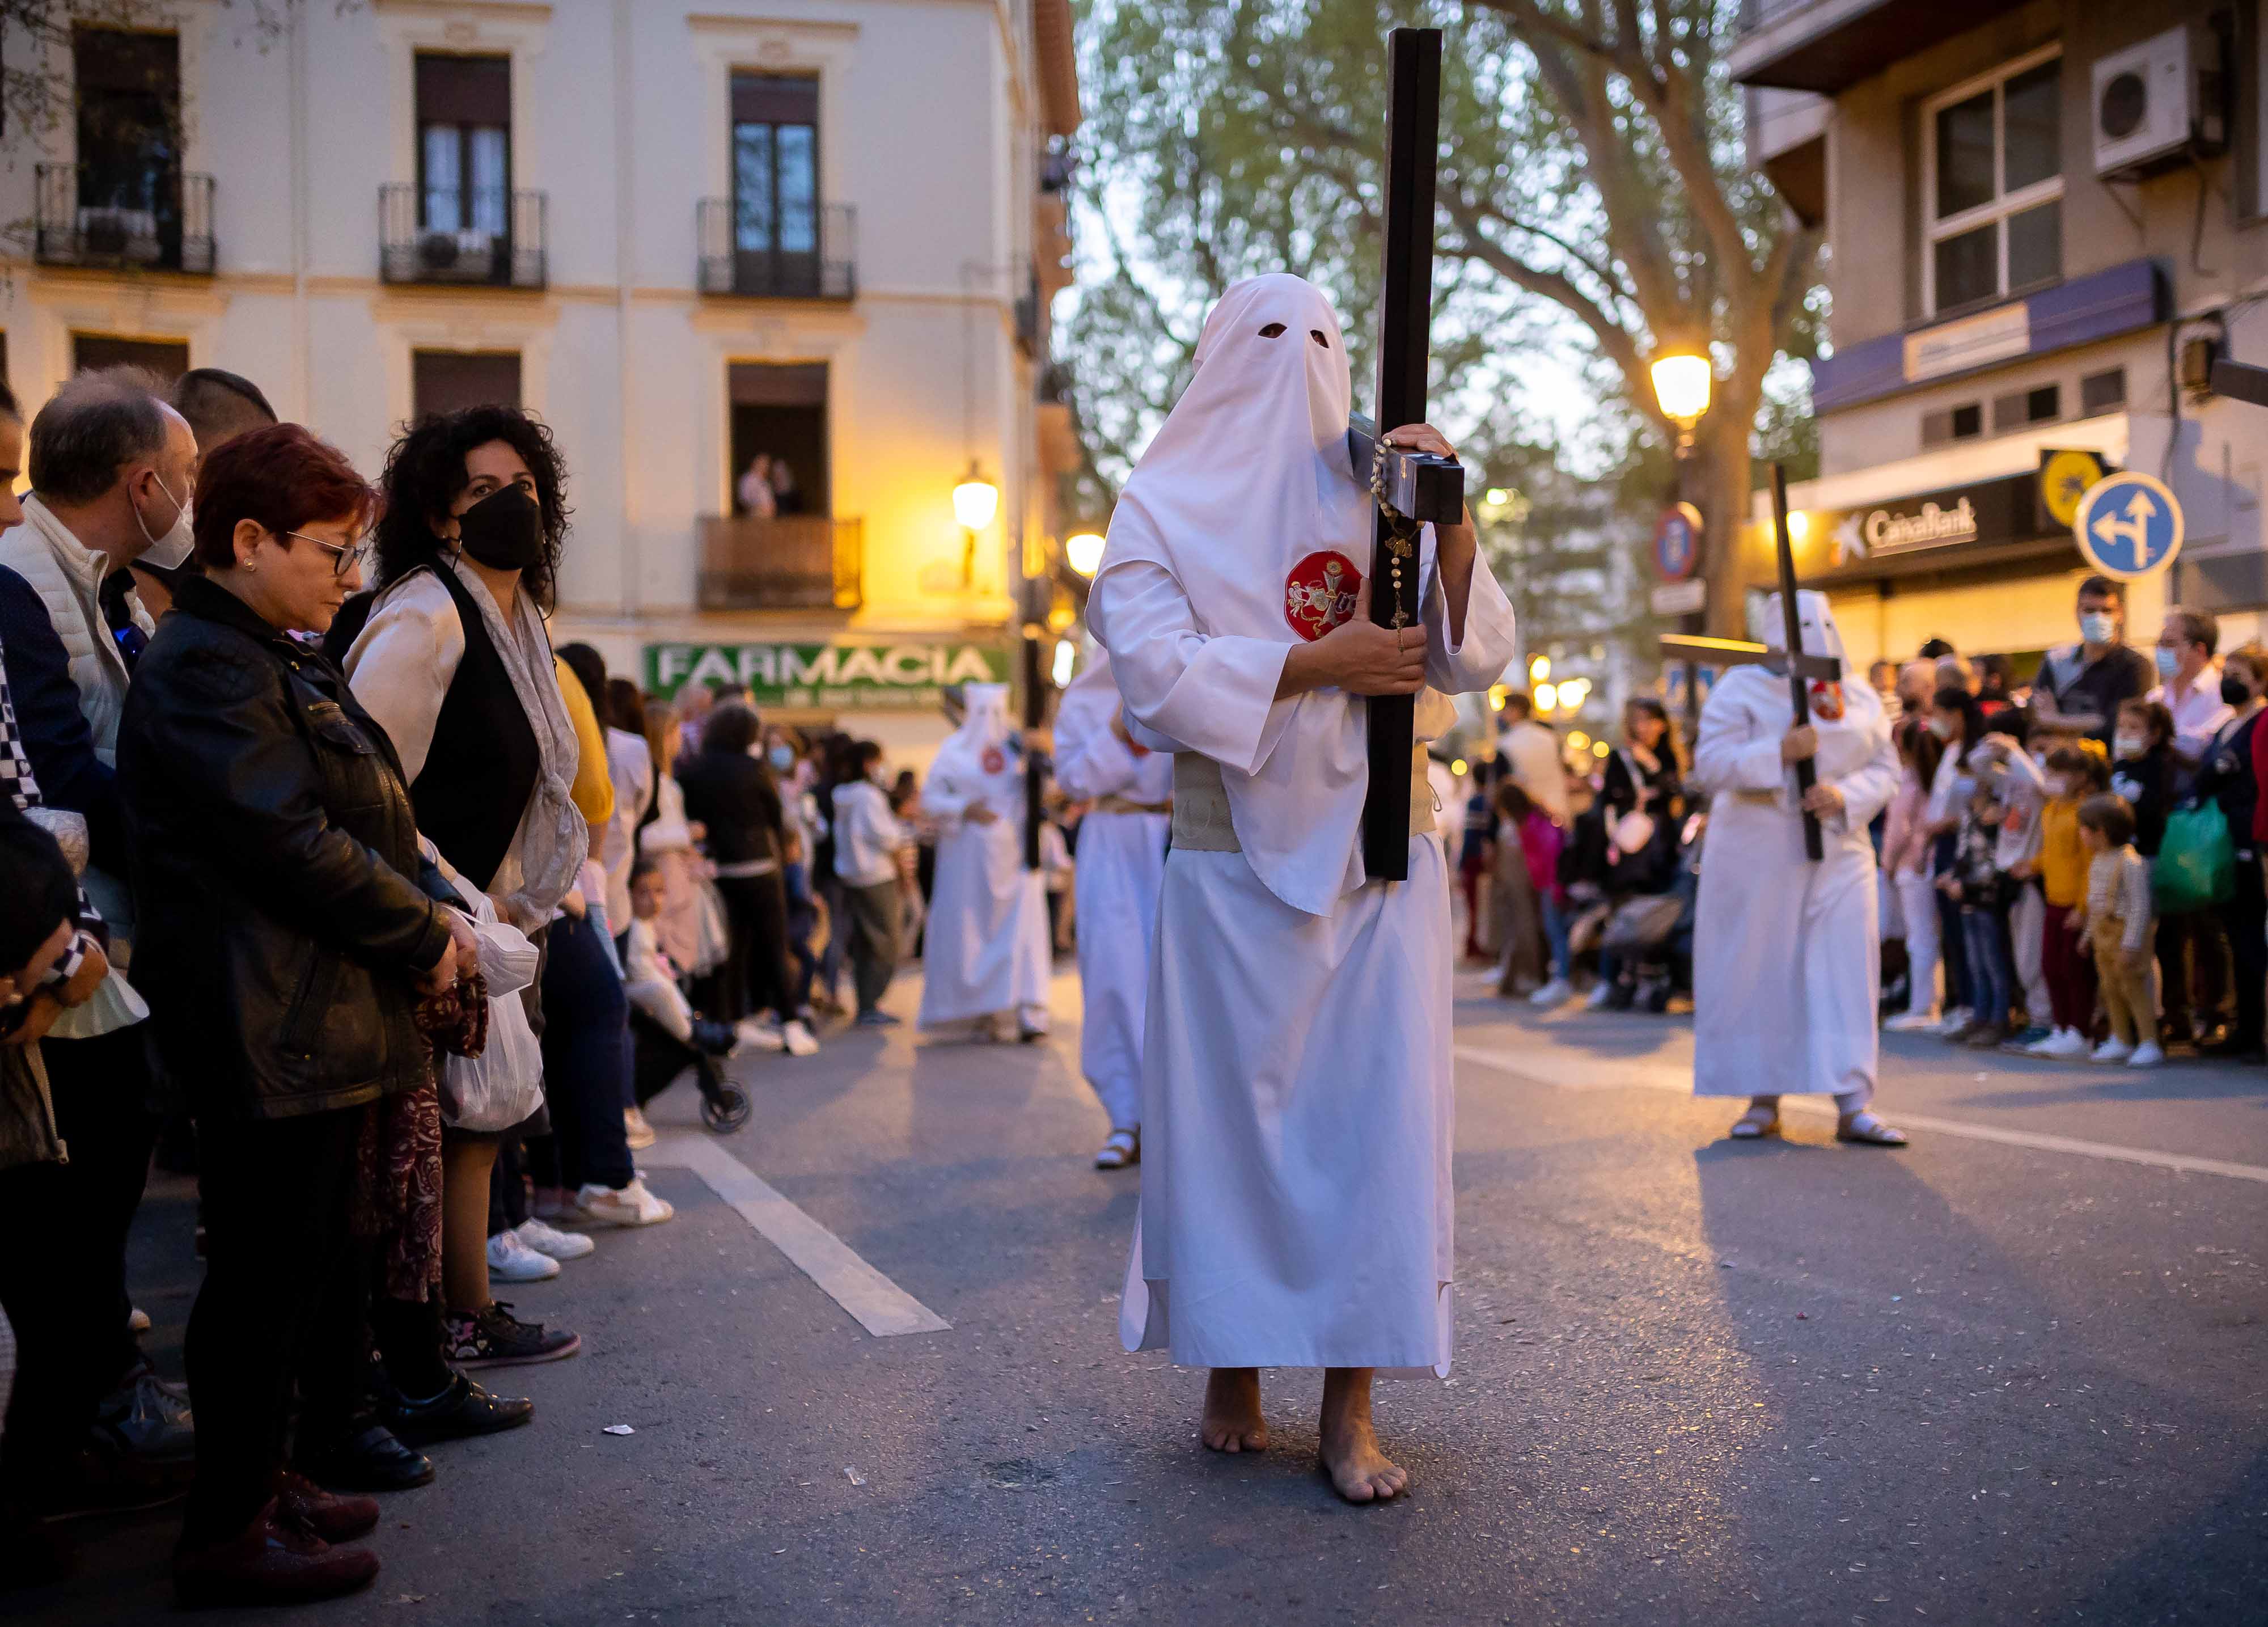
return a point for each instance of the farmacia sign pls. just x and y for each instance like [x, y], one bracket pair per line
[826, 677]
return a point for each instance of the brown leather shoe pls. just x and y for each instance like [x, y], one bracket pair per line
[270, 1562]
[299, 1501]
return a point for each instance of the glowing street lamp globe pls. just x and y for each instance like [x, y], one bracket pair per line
[1681, 386]
[974, 501]
[1082, 551]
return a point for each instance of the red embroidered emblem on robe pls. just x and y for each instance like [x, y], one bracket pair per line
[995, 760]
[1320, 593]
[1826, 701]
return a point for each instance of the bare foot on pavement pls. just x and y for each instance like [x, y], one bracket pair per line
[1232, 1419]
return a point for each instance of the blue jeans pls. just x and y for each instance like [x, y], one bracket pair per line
[1992, 980]
[587, 1063]
[1555, 933]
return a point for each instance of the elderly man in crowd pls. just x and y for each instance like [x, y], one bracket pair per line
[111, 467]
[2189, 683]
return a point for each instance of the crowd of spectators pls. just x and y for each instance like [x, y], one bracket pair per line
[318, 864]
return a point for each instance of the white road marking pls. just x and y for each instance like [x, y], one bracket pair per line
[1590, 1072]
[879, 1305]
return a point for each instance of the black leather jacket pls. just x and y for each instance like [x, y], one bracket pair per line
[282, 904]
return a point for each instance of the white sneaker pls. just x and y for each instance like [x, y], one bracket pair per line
[1955, 1020]
[639, 1133]
[632, 1205]
[761, 1033]
[2147, 1055]
[1553, 993]
[1601, 991]
[2063, 1045]
[511, 1261]
[1913, 1022]
[546, 1238]
[797, 1039]
[2111, 1050]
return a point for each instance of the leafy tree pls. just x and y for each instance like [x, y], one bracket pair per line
[1593, 182]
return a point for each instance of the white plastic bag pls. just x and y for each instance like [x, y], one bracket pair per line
[504, 1083]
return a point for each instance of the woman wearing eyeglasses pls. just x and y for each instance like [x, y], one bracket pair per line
[289, 928]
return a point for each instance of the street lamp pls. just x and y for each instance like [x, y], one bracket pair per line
[1680, 386]
[974, 501]
[1083, 552]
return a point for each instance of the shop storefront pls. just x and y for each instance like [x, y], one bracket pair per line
[1988, 563]
[892, 692]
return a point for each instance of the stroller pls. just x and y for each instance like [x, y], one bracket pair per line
[657, 1057]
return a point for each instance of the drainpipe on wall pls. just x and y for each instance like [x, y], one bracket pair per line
[303, 364]
[625, 258]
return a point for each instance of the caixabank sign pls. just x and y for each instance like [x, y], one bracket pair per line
[1946, 529]
[828, 677]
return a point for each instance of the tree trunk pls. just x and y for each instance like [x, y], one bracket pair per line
[1720, 487]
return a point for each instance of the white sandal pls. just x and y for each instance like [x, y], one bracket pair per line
[1755, 1124]
[1866, 1129]
[1124, 1147]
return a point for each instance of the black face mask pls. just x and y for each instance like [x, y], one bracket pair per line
[2234, 689]
[503, 530]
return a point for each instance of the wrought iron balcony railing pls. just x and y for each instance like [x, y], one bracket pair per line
[796, 561]
[780, 255]
[156, 219]
[489, 236]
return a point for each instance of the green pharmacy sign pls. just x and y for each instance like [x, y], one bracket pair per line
[826, 677]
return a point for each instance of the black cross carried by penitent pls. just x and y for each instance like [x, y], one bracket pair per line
[1801, 668]
[1409, 489]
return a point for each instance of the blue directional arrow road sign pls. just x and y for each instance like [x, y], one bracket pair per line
[2128, 526]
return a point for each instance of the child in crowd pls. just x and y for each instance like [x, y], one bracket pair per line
[2142, 768]
[2018, 772]
[666, 1036]
[2074, 774]
[1540, 842]
[1908, 859]
[2116, 921]
[1976, 883]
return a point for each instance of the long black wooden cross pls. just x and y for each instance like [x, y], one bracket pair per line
[1801, 668]
[1409, 489]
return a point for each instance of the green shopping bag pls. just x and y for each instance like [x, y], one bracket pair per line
[2196, 866]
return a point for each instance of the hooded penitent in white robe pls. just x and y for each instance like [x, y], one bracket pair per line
[985, 950]
[1122, 863]
[1296, 1091]
[1787, 964]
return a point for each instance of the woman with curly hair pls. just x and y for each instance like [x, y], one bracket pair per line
[452, 659]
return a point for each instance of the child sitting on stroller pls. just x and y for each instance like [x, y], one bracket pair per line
[667, 1036]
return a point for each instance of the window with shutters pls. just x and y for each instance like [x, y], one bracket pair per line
[1992, 185]
[464, 143]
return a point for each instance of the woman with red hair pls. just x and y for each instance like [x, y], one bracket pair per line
[289, 930]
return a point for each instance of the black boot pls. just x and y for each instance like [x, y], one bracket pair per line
[366, 1458]
[462, 1410]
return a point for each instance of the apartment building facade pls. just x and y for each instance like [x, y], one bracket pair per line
[2043, 220]
[827, 231]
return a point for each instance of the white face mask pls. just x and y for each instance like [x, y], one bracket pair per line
[2128, 745]
[2097, 627]
[2057, 785]
[1940, 728]
[171, 551]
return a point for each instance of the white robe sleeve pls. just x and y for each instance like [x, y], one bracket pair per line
[1098, 765]
[402, 665]
[943, 799]
[1867, 790]
[1730, 752]
[1491, 637]
[1191, 691]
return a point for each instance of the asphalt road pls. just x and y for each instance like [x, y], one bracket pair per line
[1976, 1382]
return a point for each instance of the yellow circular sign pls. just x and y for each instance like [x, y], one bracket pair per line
[2065, 481]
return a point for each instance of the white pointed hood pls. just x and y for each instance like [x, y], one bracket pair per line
[1245, 498]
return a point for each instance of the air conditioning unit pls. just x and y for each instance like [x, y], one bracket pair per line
[2159, 103]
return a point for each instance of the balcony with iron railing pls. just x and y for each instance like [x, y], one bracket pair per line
[487, 237]
[795, 562]
[152, 219]
[810, 253]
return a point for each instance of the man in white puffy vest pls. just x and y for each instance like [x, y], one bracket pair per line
[111, 469]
